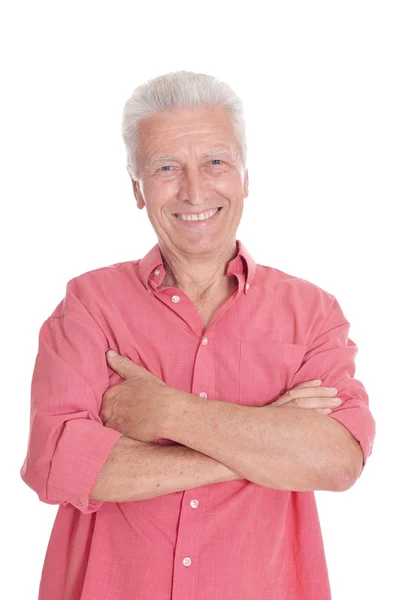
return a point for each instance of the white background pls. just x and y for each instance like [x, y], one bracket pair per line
[319, 85]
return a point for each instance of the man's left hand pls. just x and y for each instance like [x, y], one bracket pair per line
[140, 405]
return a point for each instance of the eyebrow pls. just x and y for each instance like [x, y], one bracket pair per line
[162, 159]
[159, 159]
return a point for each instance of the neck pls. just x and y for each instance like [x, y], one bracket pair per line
[197, 276]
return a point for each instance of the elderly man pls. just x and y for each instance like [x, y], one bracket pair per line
[185, 461]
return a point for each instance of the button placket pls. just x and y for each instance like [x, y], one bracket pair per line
[203, 382]
[203, 377]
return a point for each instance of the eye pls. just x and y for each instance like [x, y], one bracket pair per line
[216, 161]
[166, 167]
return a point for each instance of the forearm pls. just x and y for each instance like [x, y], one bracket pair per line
[276, 447]
[138, 470]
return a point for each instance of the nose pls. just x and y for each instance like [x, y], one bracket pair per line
[193, 188]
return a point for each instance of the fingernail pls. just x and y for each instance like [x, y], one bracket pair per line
[111, 353]
[336, 400]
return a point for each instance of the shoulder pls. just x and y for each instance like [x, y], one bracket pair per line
[104, 275]
[293, 290]
[89, 289]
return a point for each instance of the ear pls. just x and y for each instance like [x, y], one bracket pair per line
[246, 183]
[137, 193]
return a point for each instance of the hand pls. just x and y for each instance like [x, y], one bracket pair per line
[139, 406]
[310, 394]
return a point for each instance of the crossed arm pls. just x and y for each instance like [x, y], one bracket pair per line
[73, 458]
[140, 470]
[277, 447]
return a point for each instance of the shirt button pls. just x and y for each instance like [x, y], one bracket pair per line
[175, 299]
[247, 286]
[187, 561]
[194, 503]
[203, 395]
[204, 341]
[157, 271]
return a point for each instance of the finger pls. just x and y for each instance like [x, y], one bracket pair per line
[295, 393]
[121, 364]
[325, 411]
[314, 403]
[312, 383]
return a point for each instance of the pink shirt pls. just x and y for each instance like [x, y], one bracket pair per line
[226, 541]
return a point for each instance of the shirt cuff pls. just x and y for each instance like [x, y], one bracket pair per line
[357, 418]
[81, 452]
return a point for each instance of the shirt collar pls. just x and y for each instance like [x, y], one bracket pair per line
[243, 265]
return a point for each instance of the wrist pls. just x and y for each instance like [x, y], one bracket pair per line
[176, 403]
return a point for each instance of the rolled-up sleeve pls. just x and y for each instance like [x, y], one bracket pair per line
[331, 357]
[68, 443]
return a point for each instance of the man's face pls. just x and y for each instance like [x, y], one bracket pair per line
[189, 164]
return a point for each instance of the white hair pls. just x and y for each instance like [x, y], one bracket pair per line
[179, 89]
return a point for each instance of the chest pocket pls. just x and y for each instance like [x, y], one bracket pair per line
[266, 368]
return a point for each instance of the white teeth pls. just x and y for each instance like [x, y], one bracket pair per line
[201, 217]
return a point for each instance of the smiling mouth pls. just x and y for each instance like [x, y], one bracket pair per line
[204, 216]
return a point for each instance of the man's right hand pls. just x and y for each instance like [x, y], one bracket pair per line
[310, 394]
